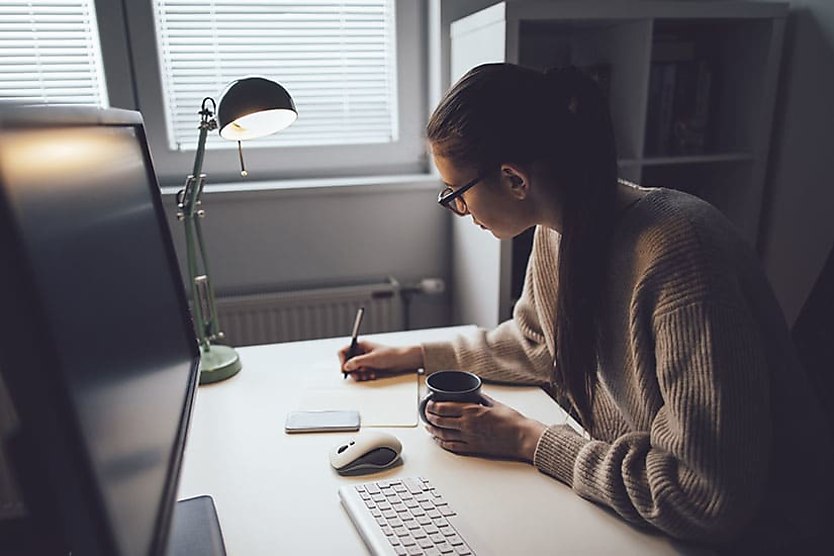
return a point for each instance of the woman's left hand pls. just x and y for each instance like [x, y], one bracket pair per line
[472, 429]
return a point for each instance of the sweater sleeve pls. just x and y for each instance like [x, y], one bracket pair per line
[699, 472]
[515, 352]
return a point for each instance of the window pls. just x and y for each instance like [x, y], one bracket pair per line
[356, 69]
[50, 53]
[337, 59]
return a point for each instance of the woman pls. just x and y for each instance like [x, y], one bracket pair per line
[643, 313]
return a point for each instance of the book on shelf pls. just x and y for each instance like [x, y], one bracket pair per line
[659, 110]
[690, 122]
[681, 92]
[679, 105]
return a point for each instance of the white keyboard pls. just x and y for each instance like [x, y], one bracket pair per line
[406, 516]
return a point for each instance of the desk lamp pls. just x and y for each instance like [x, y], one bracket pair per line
[249, 108]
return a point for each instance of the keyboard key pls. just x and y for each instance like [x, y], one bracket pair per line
[401, 531]
[431, 552]
[437, 538]
[446, 511]
[400, 550]
[445, 548]
[414, 486]
[463, 550]
[455, 540]
[415, 551]
[425, 543]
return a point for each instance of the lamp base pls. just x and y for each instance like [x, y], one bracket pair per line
[219, 363]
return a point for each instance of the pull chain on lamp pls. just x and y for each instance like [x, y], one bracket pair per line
[249, 108]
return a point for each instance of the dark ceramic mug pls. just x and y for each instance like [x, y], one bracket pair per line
[452, 386]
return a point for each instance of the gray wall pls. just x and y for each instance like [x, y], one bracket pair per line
[258, 241]
[798, 224]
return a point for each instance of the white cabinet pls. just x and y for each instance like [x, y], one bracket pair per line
[692, 88]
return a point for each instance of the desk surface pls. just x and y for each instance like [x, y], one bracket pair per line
[277, 494]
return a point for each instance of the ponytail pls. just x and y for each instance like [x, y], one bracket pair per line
[588, 211]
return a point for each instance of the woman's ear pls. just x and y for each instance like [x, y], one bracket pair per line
[517, 180]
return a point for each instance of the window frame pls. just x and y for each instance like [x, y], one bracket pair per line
[141, 89]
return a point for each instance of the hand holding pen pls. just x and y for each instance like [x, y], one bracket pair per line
[354, 350]
[368, 360]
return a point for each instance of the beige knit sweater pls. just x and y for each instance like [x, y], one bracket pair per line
[705, 425]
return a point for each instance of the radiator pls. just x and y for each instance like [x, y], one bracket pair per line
[308, 314]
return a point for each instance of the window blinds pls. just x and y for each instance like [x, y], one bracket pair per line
[336, 58]
[50, 52]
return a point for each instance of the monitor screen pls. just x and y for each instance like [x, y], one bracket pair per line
[108, 307]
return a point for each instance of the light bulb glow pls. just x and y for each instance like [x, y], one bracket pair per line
[258, 124]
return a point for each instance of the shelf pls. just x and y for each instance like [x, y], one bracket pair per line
[696, 159]
[691, 87]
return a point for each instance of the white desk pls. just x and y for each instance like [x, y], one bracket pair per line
[277, 494]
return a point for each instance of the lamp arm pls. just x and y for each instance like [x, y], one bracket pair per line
[188, 199]
[194, 276]
[210, 316]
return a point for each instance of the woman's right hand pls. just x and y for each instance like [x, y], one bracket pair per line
[376, 360]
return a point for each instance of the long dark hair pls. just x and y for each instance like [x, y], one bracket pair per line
[500, 113]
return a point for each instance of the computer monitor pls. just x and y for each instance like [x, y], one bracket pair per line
[97, 347]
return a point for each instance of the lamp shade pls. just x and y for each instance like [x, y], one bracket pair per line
[254, 107]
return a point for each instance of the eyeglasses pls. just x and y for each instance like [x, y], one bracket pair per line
[453, 199]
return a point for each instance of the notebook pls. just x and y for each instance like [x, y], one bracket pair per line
[385, 402]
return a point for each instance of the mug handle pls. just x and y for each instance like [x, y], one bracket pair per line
[422, 409]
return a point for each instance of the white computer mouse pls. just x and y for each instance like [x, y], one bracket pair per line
[366, 452]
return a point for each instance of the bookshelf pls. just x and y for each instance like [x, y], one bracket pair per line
[692, 87]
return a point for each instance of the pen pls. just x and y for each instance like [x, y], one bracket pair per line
[354, 344]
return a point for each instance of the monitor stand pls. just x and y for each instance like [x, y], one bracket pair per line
[195, 529]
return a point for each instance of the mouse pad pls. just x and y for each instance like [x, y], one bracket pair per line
[385, 402]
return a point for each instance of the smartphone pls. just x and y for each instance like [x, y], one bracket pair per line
[322, 421]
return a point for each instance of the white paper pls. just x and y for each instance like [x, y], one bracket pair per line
[385, 402]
